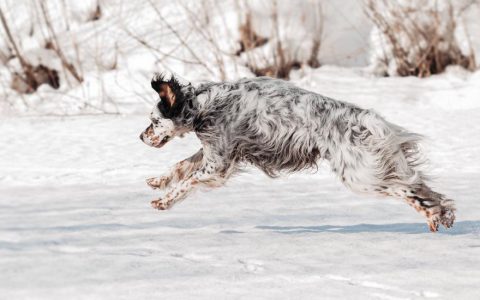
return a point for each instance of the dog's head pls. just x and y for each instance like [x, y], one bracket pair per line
[167, 112]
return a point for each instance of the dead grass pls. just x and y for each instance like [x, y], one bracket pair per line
[283, 56]
[419, 47]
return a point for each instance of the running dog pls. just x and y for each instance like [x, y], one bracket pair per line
[278, 127]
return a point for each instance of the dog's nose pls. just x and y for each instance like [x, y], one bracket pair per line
[141, 137]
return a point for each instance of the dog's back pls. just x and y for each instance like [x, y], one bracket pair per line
[272, 123]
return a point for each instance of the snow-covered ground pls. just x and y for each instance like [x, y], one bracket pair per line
[76, 222]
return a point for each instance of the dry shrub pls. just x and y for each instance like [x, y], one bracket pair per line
[249, 39]
[37, 76]
[283, 52]
[418, 37]
[281, 63]
[31, 76]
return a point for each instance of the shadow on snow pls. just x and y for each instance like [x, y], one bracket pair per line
[459, 228]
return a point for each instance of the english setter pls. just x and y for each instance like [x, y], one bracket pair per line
[278, 127]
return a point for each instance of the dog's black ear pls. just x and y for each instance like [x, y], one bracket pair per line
[170, 92]
[165, 89]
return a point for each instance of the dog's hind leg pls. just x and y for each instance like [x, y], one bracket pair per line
[181, 170]
[434, 206]
[386, 161]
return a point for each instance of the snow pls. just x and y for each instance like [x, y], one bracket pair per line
[75, 219]
[75, 215]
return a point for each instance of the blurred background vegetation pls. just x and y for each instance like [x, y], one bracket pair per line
[59, 56]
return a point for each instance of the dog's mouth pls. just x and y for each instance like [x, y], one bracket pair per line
[162, 142]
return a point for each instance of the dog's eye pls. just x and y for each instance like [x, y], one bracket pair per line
[154, 121]
[166, 139]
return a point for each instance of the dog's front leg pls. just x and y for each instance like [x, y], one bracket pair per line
[181, 170]
[205, 175]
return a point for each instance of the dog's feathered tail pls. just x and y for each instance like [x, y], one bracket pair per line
[397, 152]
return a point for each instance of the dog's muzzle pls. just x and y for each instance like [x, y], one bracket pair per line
[149, 138]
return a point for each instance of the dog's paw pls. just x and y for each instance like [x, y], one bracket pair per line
[160, 205]
[446, 217]
[158, 182]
